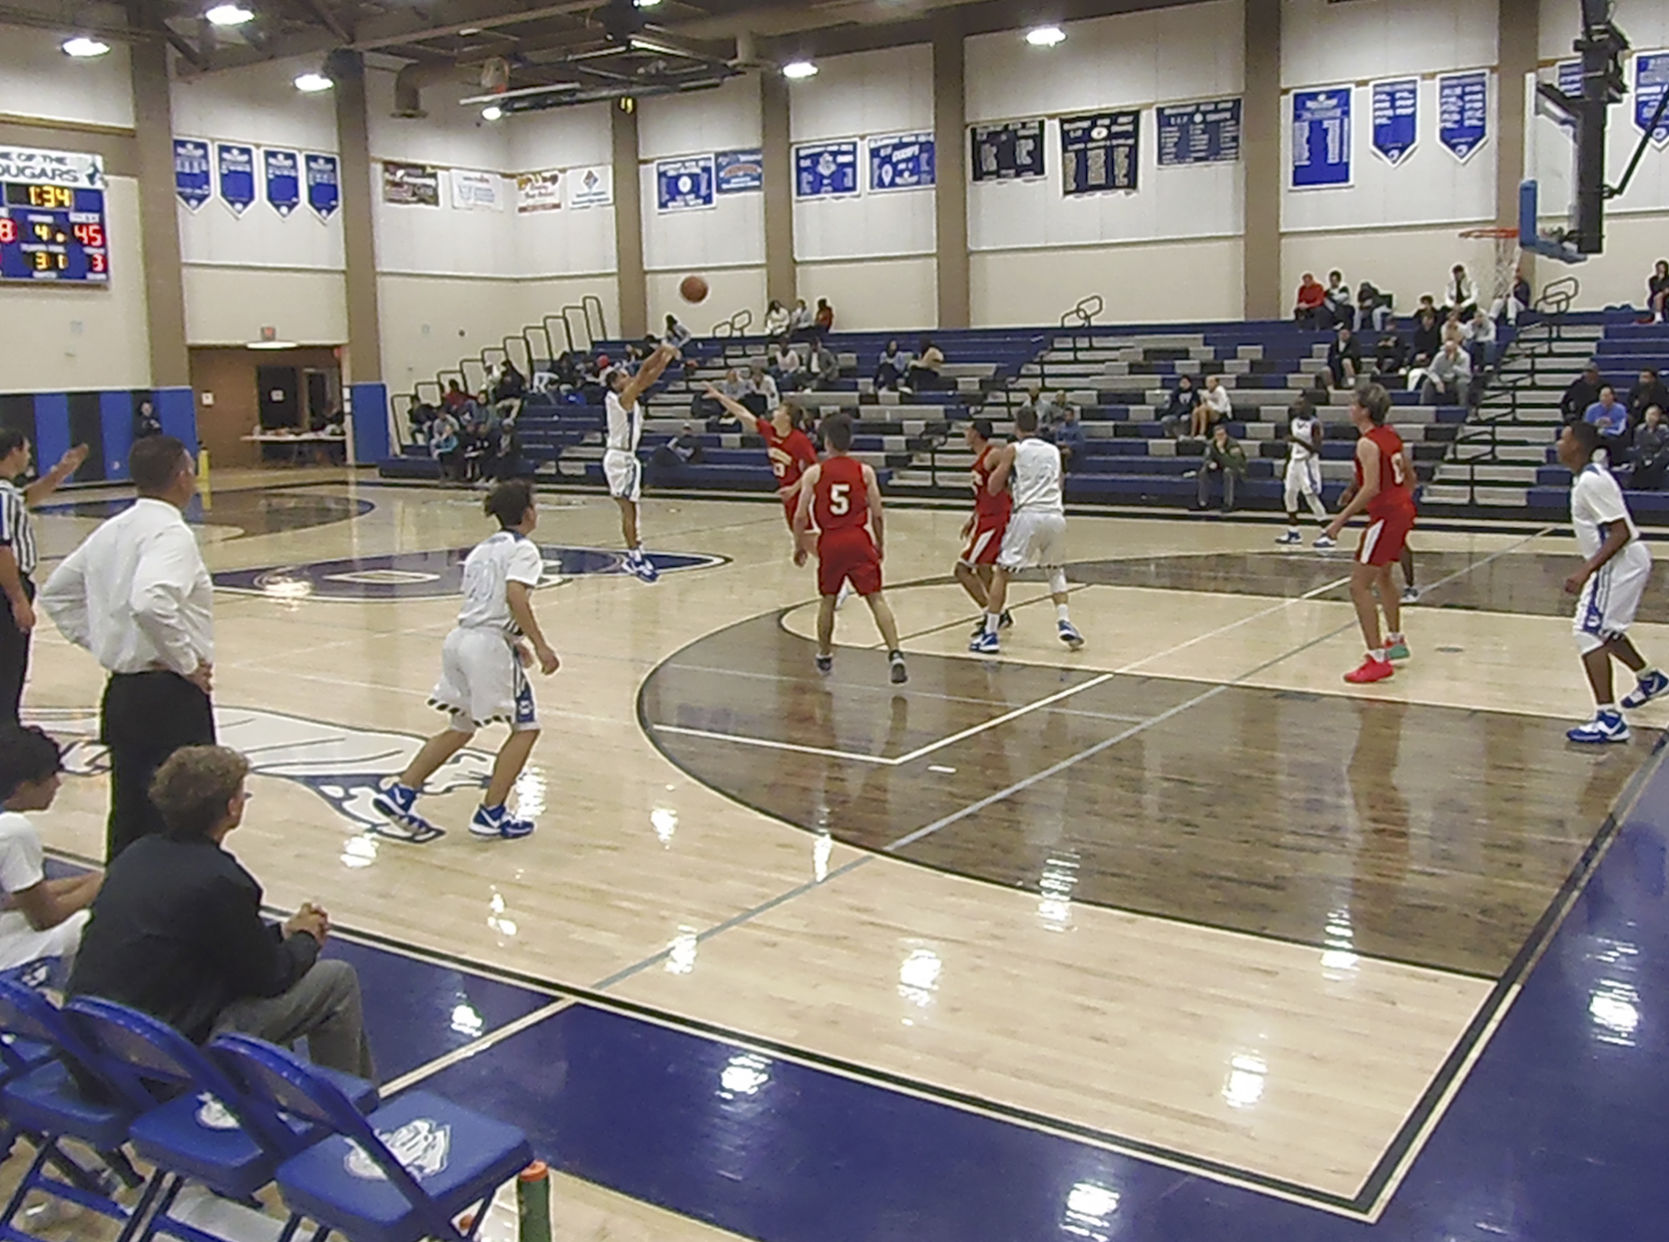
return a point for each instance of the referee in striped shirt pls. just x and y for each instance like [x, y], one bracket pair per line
[18, 558]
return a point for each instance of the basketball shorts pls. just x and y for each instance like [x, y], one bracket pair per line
[1611, 597]
[848, 556]
[481, 681]
[1035, 539]
[1384, 539]
[983, 544]
[790, 505]
[624, 473]
[1303, 479]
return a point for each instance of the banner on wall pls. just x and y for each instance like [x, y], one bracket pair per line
[1651, 79]
[324, 185]
[826, 170]
[592, 186]
[475, 191]
[282, 175]
[1207, 132]
[236, 167]
[68, 168]
[538, 191]
[1463, 112]
[901, 162]
[1007, 151]
[1100, 152]
[410, 185]
[1320, 138]
[191, 172]
[739, 172]
[1396, 119]
[1570, 77]
[685, 184]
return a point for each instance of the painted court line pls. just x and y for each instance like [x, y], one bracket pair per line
[496, 1036]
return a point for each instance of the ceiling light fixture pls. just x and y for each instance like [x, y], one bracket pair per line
[312, 83]
[81, 47]
[469, 30]
[646, 4]
[799, 70]
[228, 15]
[1046, 36]
[271, 345]
[491, 112]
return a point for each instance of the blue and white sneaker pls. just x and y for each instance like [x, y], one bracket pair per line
[1070, 636]
[496, 823]
[985, 644]
[1604, 727]
[1290, 537]
[397, 803]
[1650, 686]
[1324, 543]
[641, 567]
[825, 663]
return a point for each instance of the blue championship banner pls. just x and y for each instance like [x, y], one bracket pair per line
[826, 170]
[1463, 112]
[684, 185]
[1651, 79]
[739, 172]
[1396, 119]
[1199, 133]
[1008, 151]
[191, 172]
[283, 180]
[903, 162]
[1100, 152]
[236, 164]
[1320, 138]
[324, 185]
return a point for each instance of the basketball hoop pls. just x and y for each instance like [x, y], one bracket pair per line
[1506, 262]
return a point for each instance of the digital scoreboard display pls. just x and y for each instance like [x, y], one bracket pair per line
[52, 224]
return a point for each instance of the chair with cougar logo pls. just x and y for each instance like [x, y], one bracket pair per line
[400, 1174]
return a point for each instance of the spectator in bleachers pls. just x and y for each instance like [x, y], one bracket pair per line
[785, 367]
[1651, 452]
[1180, 411]
[684, 449]
[1069, 437]
[1508, 309]
[824, 318]
[1478, 335]
[1448, 379]
[1648, 392]
[890, 371]
[924, 369]
[760, 388]
[444, 444]
[1390, 353]
[733, 385]
[456, 398]
[1580, 393]
[508, 461]
[776, 319]
[145, 420]
[1428, 338]
[508, 390]
[422, 417]
[1213, 407]
[1223, 460]
[824, 365]
[1610, 416]
[702, 406]
[1339, 304]
[677, 335]
[1373, 308]
[1344, 357]
[1311, 296]
[801, 322]
[1461, 295]
[1454, 329]
[1657, 291]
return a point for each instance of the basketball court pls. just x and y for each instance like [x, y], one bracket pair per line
[1182, 905]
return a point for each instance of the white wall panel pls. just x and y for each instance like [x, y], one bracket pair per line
[729, 290]
[566, 242]
[230, 306]
[260, 237]
[873, 226]
[257, 104]
[451, 135]
[730, 234]
[443, 240]
[429, 323]
[1429, 186]
[699, 121]
[883, 92]
[1325, 43]
[877, 295]
[559, 138]
[1645, 22]
[537, 298]
[1551, 152]
[38, 80]
[1162, 282]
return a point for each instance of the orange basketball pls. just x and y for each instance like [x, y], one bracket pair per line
[693, 289]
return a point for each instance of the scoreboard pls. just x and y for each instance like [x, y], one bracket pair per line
[52, 225]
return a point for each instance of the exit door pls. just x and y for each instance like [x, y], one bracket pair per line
[280, 397]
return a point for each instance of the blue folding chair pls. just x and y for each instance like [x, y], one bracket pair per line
[67, 1098]
[401, 1174]
[210, 1132]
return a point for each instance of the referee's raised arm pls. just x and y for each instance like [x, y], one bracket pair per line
[137, 596]
[18, 558]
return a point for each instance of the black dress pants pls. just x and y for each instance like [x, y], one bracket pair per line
[14, 658]
[145, 717]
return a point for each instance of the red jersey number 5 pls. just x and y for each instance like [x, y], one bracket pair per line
[840, 498]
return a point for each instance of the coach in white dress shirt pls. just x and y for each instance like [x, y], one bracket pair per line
[137, 596]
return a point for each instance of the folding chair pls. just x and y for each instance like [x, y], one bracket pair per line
[66, 1098]
[210, 1132]
[401, 1174]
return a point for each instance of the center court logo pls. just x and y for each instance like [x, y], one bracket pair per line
[342, 764]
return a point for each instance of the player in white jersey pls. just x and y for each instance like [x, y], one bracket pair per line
[482, 664]
[1304, 436]
[1036, 534]
[621, 466]
[1616, 567]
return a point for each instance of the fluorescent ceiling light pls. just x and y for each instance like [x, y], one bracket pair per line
[81, 47]
[470, 30]
[1045, 36]
[798, 69]
[311, 83]
[271, 345]
[647, 4]
[491, 112]
[228, 15]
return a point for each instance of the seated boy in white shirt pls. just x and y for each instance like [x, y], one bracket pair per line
[39, 917]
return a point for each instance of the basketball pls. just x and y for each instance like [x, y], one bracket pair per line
[693, 289]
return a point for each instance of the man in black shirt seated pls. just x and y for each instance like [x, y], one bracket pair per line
[1582, 392]
[177, 930]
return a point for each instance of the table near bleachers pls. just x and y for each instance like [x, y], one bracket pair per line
[298, 442]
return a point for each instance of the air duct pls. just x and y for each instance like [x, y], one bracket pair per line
[410, 81]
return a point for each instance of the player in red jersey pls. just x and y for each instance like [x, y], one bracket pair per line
[1384, 488]
[786, 444]
[982, 533]
[842, 495]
